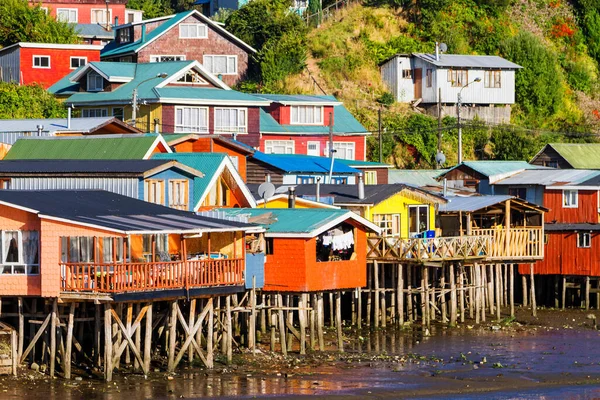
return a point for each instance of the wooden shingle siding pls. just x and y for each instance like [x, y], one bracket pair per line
[257, 172]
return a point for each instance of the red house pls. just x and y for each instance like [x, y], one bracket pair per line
[300, 124]
[43, 63]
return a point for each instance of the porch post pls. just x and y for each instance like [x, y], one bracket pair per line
[507, 226]
[468, 224]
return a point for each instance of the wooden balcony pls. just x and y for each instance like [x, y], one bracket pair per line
[438, 249]
[520, 243]
[138, 277]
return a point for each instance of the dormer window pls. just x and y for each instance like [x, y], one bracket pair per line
[192, 77]
[307, 115]
[125, 35]
[95, 83]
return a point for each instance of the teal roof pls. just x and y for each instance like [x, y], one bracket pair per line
[362, 164]
[207, 163]
[93, 31]
[415, 177]
[300, 163]
[290, 220]
[64, 86]
[105, 147]
[492, 168]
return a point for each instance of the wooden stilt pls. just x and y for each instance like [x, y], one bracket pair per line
[302, 321]
[290, 320]
[53, 321]
[409, 294]
[359, 308]
[587, 292]
[338, 320]
[320, 321]
[313, 317]
[172, 337]
[377, 309]
[431, 277]
[129, 317]
[483, 284]
[191, 322]
[69, 344]
[505, 284]
[382, 300]
[477, 293]
[209, 334]
[452, 297]
[443, 294]
[490, 286]
[524, 289]
[533, 300]
[229, 332]
[564, 292]
[148, 338]
[263, 316]
[97, 336]
[14, 341]
[273, 320]
[400, 295]
[472, 282]
[108, 345]
[282, 326]
[461, 287]
[498, 293]
[424, 298]
[252, 327]
[331, 311]
[21, 327]
[370, 272]
[512, 290]
[425, 270]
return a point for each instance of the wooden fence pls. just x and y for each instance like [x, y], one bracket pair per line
[519, 244]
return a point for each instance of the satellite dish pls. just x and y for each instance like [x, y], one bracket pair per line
[266, 190]
[443, 47]
[440, 158]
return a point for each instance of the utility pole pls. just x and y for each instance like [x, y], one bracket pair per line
[380, 137]
[331, 149]
[459, 127]
[439, 112]
[134, 106]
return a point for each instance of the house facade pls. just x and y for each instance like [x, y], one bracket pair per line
[43, 64]
[486, 83]
[184, 36]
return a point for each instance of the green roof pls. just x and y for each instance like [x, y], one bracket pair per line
[493, 168]
[416, 177]
[291, 220]
[579, 155]
[207, 163]
[106, 147]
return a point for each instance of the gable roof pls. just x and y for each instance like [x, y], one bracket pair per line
[100, 147]
[113, 212]
[140, 168]
[476, 203]
[93, 31]
[494, 170]
[212, 166]
[299, 222]
[61, 125]
[299, 163]
[114, 49]
[550, 177]
[467, 61]
[415, 177]
[53, 46]
[578, 155]
[374, 194]
[174, 139]
[344, 122]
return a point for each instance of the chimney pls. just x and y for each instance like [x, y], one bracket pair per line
[291, 197]
[69, 117]
[40, 128]
[143, 39]
[318, 196]
[361, 187]
[156, 125]
[437, 51]
[268, 177]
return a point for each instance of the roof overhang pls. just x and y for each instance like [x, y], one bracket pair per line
[298, 200]
[325, 227]
[212, 78]
[112, 79]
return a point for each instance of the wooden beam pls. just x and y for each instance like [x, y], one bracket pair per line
[127, 334]
[53, 321]
[35, 338]
[69, 344]
[148, 338]
[108, 345]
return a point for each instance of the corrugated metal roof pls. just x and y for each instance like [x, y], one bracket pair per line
[105, 147]
[100, 167]
[472, 203]
[55, 125]
[495, 167]
[299, 163]
[467, 61]
[91, 31]
[363, 164]
[112, 211]
[579, 155]
[549, 177]
[415, 177]
[571, 227]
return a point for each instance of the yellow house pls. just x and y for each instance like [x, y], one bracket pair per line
[399, 210]
[282, 201]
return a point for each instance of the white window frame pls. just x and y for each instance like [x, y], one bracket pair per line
[103, 10]
[313, 143]
[96, 76]
[27, 270]
[122, 113]
[44, 9]
[69, 10]
[242, 126]
[227, 58]
[317, 111]
[199, 34]
[489, 79]
[158, 57]
[386, 223]
[40, 57]
[182, 128]
[568, 195]
[417, 207]
[102, 111]
[289, 146]
[77, 58]
[196, 78]
[584, 240]
[339, 146]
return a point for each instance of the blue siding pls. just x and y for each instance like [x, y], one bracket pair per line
[10, 65]
[167, 175]
[255, 267]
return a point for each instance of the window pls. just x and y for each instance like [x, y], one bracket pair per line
[224, 65]
[193, 31]
[228, 120]
[112, 249]
[570, 198]
[178, 194]
[429, 77]
[521, 193]
[338, 180]
[20, 252]
[127, 59]
[584, 239]
[155, 191]
[41, 61]
[118, 113]
[458, 77]
[132, 16]
[343, 150]
[307, 115]
[491, 79]
[191, 119]
[389, 224]
[406, 74]
[67, 15]
[95, 82]
[418, 219]
[100, 16]
[191, 77]
[4, 184]
[305, 180]
[77, 62]
[166, 58]
[279, 146]
[125, 35]
[370, 177]
[94, 112]
[313, 148]
[161, 247]
[269, 246]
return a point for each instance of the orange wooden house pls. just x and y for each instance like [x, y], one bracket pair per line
[64, 243]
[312, 250]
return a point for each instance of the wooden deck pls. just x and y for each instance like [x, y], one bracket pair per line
[132, 277]
[522, 244]
[439, 249]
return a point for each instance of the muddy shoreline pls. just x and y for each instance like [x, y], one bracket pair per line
[556, 354]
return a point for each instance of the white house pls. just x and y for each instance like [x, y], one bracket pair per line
[426, 79]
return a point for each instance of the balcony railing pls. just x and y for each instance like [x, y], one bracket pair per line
[131, 277]
[522, 244]
[433, 249]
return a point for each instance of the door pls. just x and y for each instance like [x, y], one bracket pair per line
[313, 149]
[418, 80]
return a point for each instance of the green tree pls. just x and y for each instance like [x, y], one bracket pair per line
[21, 102]
[20, 22]
[151, 8]
[511, 143]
